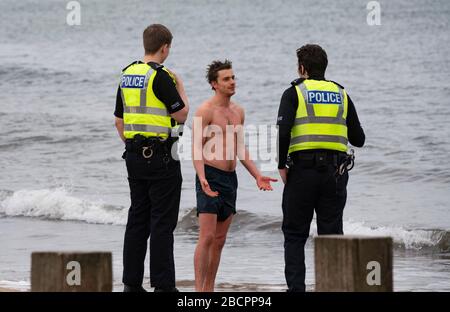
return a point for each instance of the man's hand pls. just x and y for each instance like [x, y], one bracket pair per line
[207, 189]
[283, 174]
[264, 183]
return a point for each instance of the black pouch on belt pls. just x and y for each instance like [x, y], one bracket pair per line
[143, 146]
[321, 161]
[135, 144]
[304, 160]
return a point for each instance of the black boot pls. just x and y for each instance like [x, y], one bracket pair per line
[170, 289]
[127, 288]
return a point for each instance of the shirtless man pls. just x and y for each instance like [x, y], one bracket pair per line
[219, 121]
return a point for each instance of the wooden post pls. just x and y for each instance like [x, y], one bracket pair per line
[353, 263]
[71, 271]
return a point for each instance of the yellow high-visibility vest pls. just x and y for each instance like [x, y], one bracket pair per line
[143, 113]
[320, 121]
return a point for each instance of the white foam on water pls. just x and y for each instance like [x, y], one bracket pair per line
[59, 204]
[410, 239]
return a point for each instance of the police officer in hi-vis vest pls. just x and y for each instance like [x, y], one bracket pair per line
[150, 104]
[316, 120]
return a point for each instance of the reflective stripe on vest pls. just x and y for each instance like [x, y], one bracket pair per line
[143, 112]
[320, 121]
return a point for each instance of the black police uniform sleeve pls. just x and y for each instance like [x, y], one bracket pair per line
[119, 105]
[285, 121]
[355, 132]
[166, 91]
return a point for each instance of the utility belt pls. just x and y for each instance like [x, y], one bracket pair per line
[147, 147]
[321, 159]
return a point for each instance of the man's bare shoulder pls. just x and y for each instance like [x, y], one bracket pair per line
[205, 108]
[237, 108]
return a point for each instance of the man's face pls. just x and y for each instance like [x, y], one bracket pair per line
[225, 83]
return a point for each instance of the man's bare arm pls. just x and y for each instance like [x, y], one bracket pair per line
[249, 164]
[120, 127]
[263, 182]
[201, 121]
[243, 153]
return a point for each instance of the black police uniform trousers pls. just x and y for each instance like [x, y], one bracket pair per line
[310, 187]
[155, 188]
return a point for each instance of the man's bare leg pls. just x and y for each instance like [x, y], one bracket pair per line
[215, 253]
[207, 233]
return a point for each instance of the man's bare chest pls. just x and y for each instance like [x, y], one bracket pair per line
[225, 119]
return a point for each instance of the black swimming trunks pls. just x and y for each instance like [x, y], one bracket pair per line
[224, 182]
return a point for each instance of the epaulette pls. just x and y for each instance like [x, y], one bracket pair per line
[297, 81]
[337, 84]
[135, 62]
[155, 66]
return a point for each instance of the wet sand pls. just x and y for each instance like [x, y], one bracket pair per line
[3, 289]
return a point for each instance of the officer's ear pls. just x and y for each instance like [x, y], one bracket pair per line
[165, 48]
[301, 70]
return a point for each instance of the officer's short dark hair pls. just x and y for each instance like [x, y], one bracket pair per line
[313, 58]
[155, 36]
[212, 71]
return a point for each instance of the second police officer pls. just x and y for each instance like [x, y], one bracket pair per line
[316, 120]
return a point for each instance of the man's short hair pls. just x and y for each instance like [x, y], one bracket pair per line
[155, 36]
[313, 58]
[212, 71]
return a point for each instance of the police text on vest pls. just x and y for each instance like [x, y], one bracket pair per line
[324, 97]
[132, 81]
